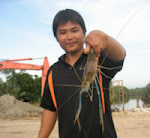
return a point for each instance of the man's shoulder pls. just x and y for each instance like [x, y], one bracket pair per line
[59, 62]
[55, 66]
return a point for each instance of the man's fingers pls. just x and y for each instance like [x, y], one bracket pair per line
[96, 50]
[87, 50]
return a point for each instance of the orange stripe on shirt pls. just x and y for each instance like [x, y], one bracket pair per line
[50, 81]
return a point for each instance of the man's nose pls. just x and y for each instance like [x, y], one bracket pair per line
[69, 36]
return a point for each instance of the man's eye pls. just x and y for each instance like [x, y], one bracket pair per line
[75, 31]
[62, 33]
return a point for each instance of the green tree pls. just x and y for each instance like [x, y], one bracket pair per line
[22, 85]
[27, 87]
[146, 91]
[7, 72]
[2, 87]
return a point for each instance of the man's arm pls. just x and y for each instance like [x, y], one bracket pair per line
[114, 50]
[100, 41]
[47, 123]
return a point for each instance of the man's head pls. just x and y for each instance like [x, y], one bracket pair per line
[64, 16]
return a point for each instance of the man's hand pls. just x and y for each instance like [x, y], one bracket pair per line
[97, 40]
[100, 41]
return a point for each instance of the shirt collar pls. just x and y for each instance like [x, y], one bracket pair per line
[63, 57]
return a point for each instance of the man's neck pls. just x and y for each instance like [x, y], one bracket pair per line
[72, 58]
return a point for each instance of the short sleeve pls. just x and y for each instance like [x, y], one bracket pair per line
[47, 102]
[108, 66]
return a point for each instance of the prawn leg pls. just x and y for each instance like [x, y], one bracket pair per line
[100, 105]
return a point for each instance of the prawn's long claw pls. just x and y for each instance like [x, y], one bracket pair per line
[100, 105]
[78, 113]
[79, 125]
[101, 118]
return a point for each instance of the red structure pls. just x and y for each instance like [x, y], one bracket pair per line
[11, 64]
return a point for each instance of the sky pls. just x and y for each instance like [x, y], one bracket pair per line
[26, 31]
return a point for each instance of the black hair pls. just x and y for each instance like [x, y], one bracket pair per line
[66, 15]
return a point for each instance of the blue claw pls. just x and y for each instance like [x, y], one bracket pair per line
[100, 105]
[79, 108]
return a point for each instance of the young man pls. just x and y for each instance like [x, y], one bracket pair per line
[67, 75]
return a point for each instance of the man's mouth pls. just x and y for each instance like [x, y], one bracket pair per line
[71, 43]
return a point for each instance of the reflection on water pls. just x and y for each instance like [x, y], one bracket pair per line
[131, 104]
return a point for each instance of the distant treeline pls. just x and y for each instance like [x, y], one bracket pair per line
[27, 87]
[137, 93]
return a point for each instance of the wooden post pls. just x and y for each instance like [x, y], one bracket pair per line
[121, 93]
[138, 103]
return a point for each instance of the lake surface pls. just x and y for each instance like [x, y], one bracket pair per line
[131, 104]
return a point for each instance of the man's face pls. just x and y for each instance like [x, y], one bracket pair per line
[70, 37]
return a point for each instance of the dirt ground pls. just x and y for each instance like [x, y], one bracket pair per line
[132, 124]
[128, 125]
[22, 120]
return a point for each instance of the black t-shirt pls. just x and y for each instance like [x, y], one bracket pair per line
[67, 85]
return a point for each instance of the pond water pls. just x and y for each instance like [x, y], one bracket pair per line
[131, 104]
